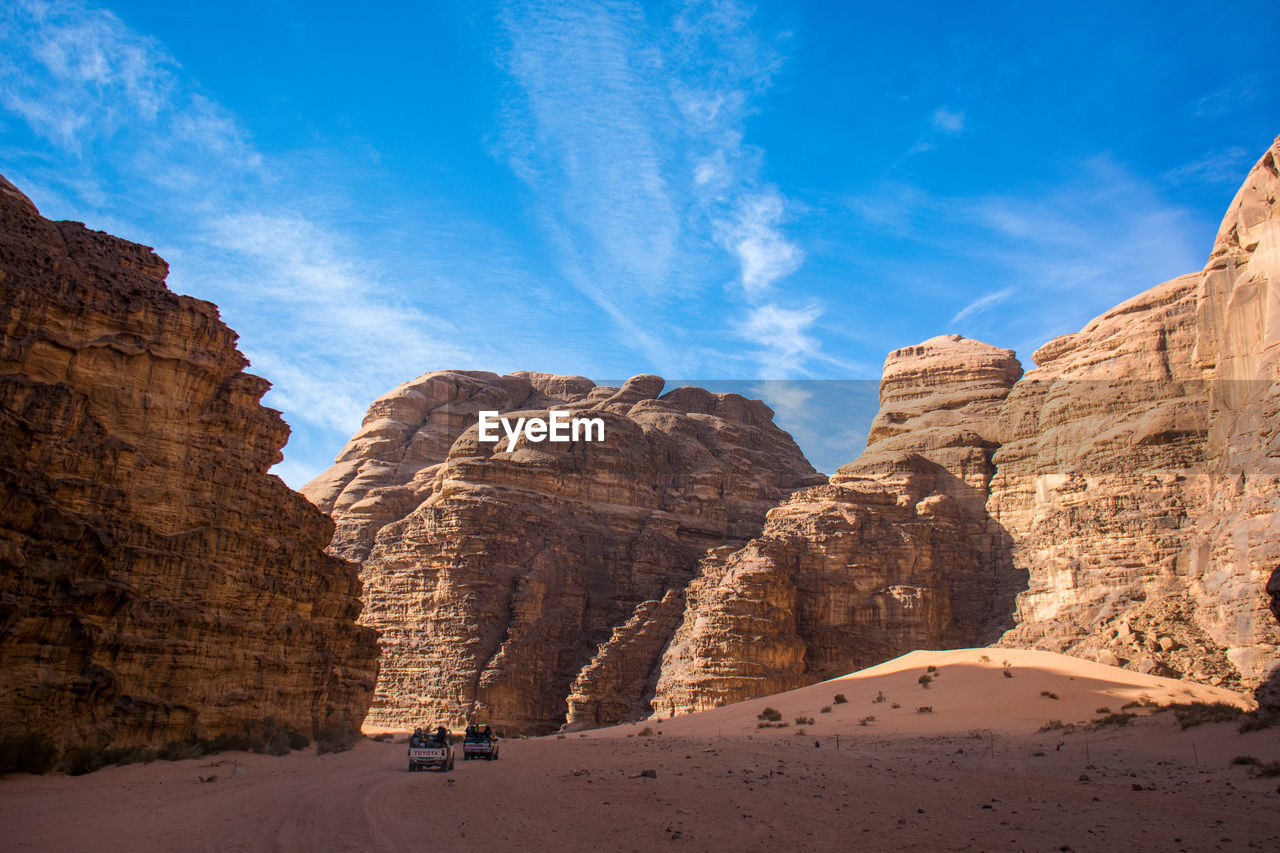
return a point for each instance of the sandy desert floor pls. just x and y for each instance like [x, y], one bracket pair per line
[973, 774]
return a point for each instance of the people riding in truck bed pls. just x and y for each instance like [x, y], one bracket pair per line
[415, 739]
[487, 734]
[442, 735]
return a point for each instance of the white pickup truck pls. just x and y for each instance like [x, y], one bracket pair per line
[431, 754]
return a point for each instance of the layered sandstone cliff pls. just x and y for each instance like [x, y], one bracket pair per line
[895, 554]
[1101, 471]
[155, 582]
[1129, 484]
[494, 576]
[1140, 472]
[1238, 348]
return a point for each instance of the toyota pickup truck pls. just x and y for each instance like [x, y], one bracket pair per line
[431, 754]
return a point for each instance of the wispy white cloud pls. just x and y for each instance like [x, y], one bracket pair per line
[109, 75]
[1224, 100]
[950, 122]
[982, 303]
[765, 256]
[943, 122]
[585, 138]
[1226, 166]
[783, 335]
[630, 132]
[713, 89]
[1049, 258]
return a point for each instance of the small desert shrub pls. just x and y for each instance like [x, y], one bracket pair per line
[1053, 725]
[879, 697]
[1008, 669]
[1258, 769]
[804, 721]
[84, 760]
[840, 700]
[647, 731]
[932, 669]
[123, 756]
[924, 681]
[385, 737]
[336, 737]
[1049, 694]
[1121, 719]
[87, 759]
[979, 734]
[26, 754]
[924, 709]
[1256, 721]
[1143, 701]
[765, 724]
[181, 750]
[985, 658]
[770, 714]
[227, 742]
[825, 709]
[895, 705]
[269, 736]
[1191, 714]
[1103, 710]
[866, 720]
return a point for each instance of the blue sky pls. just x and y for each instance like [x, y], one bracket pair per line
[700, 190]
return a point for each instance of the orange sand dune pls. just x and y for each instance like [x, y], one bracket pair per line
[974, 774]
[968, 691]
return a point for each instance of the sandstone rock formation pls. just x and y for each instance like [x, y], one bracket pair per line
[155, 582]
[1238, 348]
[1130, 483]
[495, 576]
[1146, 504]
[1101, 471]
[896, 553]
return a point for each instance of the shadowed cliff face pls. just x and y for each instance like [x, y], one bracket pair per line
[1273, 591]
[494, 575]
[155, 581]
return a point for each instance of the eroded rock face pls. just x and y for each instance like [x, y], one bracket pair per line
[155, 581]
[1238, 348]
[895, 554]
[494, 576]
[1101, 473]
[1139, 473]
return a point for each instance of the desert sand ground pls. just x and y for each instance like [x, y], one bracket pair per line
[973, 774]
